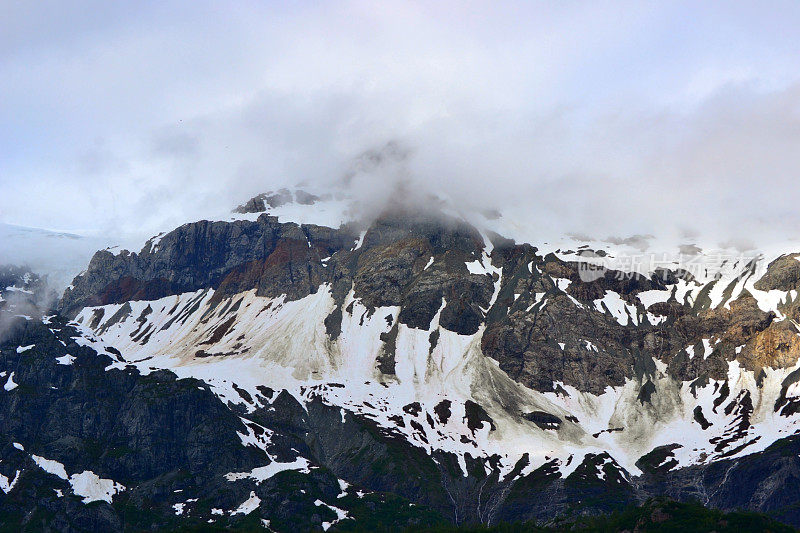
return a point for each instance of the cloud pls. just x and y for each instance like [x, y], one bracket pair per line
[596, 118]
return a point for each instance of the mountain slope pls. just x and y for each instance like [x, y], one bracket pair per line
[419, 355]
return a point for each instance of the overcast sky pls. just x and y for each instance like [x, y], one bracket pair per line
[619, 117]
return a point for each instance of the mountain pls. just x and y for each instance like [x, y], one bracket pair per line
[311, 363]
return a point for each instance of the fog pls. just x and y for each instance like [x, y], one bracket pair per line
[618, 119]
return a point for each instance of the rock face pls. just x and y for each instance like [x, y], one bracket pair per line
[783, 274]
[263, 253]
[263, 202]
[315, 377]
[172, 446]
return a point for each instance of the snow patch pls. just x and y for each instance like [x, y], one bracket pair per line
[50, 466]
[249, 505]
[262, 473]
[341, 514]
[7, 485]
[10, 385]
[94, 488]
[65, 359]
[86, 484]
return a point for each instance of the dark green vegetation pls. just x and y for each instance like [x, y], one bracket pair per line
[656, 515]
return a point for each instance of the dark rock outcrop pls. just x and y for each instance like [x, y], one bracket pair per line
[239, 255]
[416, 260]
[171, 442]
[782, 274]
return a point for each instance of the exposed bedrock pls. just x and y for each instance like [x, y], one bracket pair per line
[543, 322]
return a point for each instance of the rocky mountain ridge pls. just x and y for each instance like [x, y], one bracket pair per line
[422, 343]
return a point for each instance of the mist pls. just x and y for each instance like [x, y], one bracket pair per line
[609, 120]
[24, 296]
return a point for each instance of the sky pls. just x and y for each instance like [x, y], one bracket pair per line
[597, 117]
